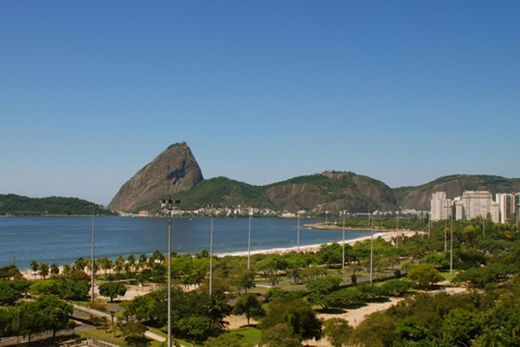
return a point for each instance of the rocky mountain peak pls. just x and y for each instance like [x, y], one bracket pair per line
[172, 171]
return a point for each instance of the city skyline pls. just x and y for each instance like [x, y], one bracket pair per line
[402, 93]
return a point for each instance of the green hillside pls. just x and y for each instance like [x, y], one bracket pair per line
[454, 185]
[329, 191]
[12, 204]
[222, 191]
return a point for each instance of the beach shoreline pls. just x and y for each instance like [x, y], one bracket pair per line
[313, 248]
[386, 235]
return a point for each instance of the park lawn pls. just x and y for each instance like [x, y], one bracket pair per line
[447, 276]
[103, 335]
[250, 336]
[163, 334]
[290, 287]
[118, 340]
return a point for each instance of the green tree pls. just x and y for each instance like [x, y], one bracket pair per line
[249, 306]
[424, 275]
[44, 270]
[9, 272]
[377, 330]
[55, 311]
[133, 333]
[112, 290]
[246, 280]
[394, 287]
[55, 269]
[337, 331]
[224, 340]
[35, 266]
[279, 335]
[320, 288]
[296, 313]
[8, 294]
[461, 326]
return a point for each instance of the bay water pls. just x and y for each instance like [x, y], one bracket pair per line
[63, 239]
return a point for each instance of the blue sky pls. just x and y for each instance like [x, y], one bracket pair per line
[403, 91]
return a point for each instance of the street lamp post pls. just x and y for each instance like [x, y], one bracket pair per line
[211, 255]
[168, 205]
[343, 242]
[249, 240]
[370, 222]
[93, 261]
[397, 228]
[451, 245]
[298, 230]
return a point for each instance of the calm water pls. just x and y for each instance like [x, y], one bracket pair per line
[64, 239]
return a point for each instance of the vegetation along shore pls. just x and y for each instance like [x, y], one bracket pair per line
[407, 293]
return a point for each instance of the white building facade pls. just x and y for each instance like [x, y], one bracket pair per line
[441, 208]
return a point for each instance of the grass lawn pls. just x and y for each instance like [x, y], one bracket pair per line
[447, 276]
[104, 336]
[251, 336]
[163, 334]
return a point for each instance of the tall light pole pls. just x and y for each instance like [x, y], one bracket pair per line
[370, 222]
[445, 229]
[298, 230]
[168, 205]
[397, 228]
[249, 240]
[93, 261]
[344, 212]
[451, 245]
[211, 255]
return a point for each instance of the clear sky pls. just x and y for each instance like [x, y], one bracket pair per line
[402, 91]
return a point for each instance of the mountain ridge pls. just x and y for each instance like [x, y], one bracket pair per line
[175, 173]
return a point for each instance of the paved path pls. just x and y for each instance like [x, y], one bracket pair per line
[96, 313]
[13, 340]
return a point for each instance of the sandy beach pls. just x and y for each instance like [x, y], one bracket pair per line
[386, 235]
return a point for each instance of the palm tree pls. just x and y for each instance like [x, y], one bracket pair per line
[55, 269]
[119, 264]
[143, 262]
[35, 265]
[44, 269]
[105, 264]
[132, 262]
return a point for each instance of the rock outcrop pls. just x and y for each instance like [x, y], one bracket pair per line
[332, 191]
[174, 170]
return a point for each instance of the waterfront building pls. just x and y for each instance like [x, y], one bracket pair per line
[494, 211]
[441, 208]
[507, 205]
[476, 204]
[459, 208]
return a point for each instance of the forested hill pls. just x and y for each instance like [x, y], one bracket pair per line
[12, 204]
[419, 197]
[327, 191]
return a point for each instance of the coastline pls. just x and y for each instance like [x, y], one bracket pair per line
[334, 227]
[313, 248]
[386, 235]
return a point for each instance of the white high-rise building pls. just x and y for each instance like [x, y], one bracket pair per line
[494, 211]
[459, 208]
[476, 204]
[503, 200]
[441, 208]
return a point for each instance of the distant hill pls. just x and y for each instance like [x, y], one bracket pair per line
[222, 191]
[419, 197]
[331, 191]
[12, 204]
[328, 191]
